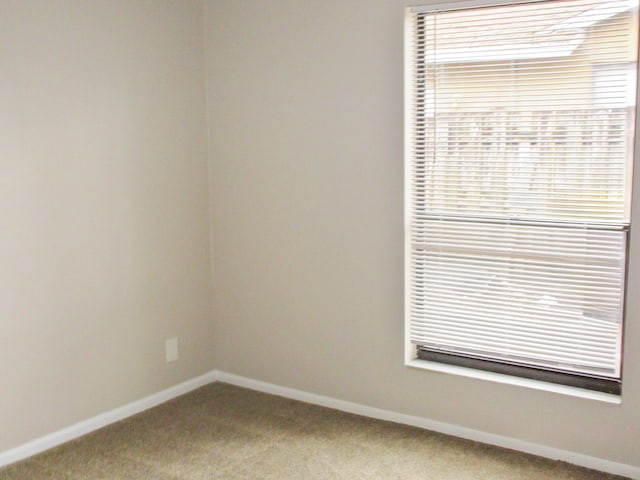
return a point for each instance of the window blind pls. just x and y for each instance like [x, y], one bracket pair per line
[519, 165]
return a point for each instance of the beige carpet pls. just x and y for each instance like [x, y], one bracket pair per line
[226, 432]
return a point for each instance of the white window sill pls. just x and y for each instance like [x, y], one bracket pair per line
[510, 380]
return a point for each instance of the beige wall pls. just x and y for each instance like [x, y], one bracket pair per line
[104, 249]
[306, 110]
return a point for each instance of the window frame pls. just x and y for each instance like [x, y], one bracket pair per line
[584, 386]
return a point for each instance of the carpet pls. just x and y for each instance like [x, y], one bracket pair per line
[226, 432]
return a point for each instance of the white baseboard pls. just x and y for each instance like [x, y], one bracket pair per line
[61, 436]
[446, 428]
[77, 430]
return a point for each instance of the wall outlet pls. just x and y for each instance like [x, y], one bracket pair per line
[171, 348]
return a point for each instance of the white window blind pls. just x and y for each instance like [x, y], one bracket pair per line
[519, 162]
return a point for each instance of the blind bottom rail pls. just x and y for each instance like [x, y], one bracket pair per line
[598, 384]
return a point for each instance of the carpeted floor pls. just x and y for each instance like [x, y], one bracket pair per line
[225, 432]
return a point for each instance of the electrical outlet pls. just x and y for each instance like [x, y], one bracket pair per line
[172, 349]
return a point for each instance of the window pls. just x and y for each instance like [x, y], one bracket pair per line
[518, 164]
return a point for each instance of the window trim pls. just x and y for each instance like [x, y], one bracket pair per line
[610, 390]
[520, 382]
